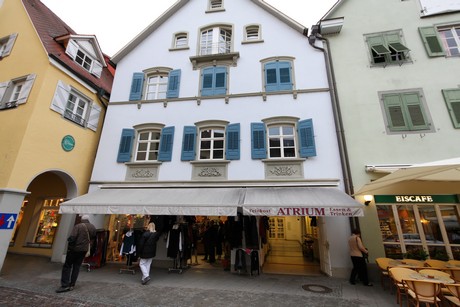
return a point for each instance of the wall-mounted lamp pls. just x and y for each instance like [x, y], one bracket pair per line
[367, 199]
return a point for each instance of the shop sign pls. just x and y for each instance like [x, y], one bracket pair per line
[302, 211]
[68, 143]
[419, 199]
[7, 220]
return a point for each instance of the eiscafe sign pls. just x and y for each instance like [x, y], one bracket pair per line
[416, 199]
[302, 211]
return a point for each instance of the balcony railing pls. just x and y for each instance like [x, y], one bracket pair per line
[216, 48]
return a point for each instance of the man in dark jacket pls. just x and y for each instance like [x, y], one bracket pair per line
[78, 243]
[147, 249]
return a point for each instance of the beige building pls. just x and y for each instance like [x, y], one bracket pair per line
[54, 89]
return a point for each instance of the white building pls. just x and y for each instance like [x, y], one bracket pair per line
[221, 107]
[396, 67]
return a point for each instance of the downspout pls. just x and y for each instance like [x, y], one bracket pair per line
[346, 172]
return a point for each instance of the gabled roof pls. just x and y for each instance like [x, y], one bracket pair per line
[178, 5]
[50, 28]
[333, 9]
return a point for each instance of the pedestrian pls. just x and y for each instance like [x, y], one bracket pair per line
[358, 255]
[80, 238]
[147, 249]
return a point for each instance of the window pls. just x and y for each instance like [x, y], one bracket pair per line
[6, 45]
[252, 33]
[180, 41]
[48, 221]
[278, 75]
[160, 83]
[84, 58]
[441, 41]
[405, 111]
[216, 140]
[75, 106]
[452, 98]
[217, 40]
[214, 81]
[154, 142]
[215, 5]
[282, 137]
[387, 48]
[16, 91]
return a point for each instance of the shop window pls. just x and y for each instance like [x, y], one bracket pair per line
[48, 222]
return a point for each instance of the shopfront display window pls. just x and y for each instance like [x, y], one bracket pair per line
[48, 221]
[420, 230]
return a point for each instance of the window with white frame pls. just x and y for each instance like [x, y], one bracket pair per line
[405, 111]
[215, 5]
[281, 141]
[180, 40]
[16, 91]
[84, 58]
[211, 143]
[160, 83]
[216, 40]
[75, 106]
[386, 48]
[6, 44]
[148, 144]
[441, 40]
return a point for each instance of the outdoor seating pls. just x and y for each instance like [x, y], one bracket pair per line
[436, 263]
[383, 264]
[397, 275]
[454, 290]
[455, 263]
[420, 291]
[453, 272]
[437, 273]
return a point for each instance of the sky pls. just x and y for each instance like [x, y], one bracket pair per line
[121, 22]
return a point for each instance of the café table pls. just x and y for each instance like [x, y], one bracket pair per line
[432, 278]
[402, 264]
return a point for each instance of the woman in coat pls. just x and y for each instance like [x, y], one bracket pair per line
[147, 250]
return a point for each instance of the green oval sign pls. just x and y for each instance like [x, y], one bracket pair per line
[68, 143]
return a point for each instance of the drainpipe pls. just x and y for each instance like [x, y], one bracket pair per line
[346, 172]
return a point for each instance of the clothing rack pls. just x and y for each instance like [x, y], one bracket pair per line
[178, 264]
[129, 267]
[177, 247]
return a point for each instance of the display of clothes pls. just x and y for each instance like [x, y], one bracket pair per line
[178, 245]
[128, 248]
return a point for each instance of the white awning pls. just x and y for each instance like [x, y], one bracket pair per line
[300, 201]
[157, 201]
[441, 172]
[268, 201]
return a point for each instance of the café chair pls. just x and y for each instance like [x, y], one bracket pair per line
[397, 275]
[419, 291]
[439, 264]
[383, 264]
[454, 298]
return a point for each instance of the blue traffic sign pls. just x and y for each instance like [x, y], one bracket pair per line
[7, 220]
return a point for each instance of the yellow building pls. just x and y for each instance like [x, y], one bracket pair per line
[54, 88]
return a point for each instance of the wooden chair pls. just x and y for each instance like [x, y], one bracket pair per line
[397, 275]
[438, 273]
[454, 298]
[436, 263]
[454, 273]
[382, 263]
[420, 291]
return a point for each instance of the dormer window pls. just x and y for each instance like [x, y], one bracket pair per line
[84, 54]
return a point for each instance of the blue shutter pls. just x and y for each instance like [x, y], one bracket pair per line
[126, 144]
[136, 86]
[232, 151]
[220, 77]
[271, 79]
[166, 144]
[306, 138]
[173, 84]
[207, 81]
[258, 147]
[188, 144]
[284, 75]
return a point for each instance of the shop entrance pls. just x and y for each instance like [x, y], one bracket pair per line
[293, 246]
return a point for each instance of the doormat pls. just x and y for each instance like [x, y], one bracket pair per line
[316, 288]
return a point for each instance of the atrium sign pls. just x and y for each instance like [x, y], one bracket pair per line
[303, 211]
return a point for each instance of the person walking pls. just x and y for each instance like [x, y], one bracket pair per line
[357, 253]
[147, 249]
[78, 243]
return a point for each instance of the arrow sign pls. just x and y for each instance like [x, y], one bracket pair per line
[7, 220]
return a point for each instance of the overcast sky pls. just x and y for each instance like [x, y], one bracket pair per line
[115, 22]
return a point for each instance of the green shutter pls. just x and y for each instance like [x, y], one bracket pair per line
[405, 112]
[452, 99]
[432, 42]
[415, 111]
[395, 113]
[378, 49]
